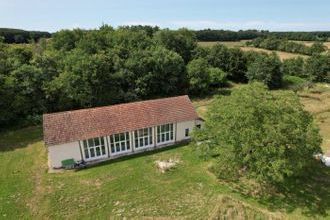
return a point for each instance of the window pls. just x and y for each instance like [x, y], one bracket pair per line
[120, 143]
[164, 133]
[94, 148]
[186, 133]
[143, 137]
[198, 126]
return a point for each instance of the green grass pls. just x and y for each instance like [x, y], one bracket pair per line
[132, 187]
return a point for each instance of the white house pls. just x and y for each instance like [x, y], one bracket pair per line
[103, 133]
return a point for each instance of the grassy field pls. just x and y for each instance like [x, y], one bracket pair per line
[242, 46]
[132, 187]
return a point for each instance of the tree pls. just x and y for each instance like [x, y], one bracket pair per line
[181, 41]
[318, 68]
[198, 76]
[217, 77]
[316, 48]
[294, 67]
[266, 69]
[156, 72]
[261, 134]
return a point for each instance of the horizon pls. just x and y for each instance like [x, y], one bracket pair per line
[274, 16]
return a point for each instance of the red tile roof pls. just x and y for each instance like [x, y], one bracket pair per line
[69, 126]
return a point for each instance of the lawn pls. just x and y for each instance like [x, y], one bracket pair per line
[133, 187]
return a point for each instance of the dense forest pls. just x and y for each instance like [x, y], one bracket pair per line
[79, 68]
[226, 35]
[274, 43]
[21, 36]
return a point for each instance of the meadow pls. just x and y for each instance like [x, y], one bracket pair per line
[132, 187]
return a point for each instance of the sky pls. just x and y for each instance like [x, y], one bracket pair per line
[273, 15]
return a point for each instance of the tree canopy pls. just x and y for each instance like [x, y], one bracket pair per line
[258, 133]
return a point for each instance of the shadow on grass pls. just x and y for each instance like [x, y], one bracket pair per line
[137, 155]
[20, 138]
[310, 193]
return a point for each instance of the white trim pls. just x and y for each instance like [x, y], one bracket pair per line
[120, 142]
[88, 147]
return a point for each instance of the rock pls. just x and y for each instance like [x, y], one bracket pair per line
[166, 165]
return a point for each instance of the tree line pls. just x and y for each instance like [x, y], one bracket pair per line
[21, 36]
[274, 43]
[79, 68]
[227, 35]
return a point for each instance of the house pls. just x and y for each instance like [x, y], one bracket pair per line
[103, 133]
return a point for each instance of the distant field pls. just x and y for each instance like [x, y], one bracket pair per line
[242, 46]
[281, 54]
[227, 43]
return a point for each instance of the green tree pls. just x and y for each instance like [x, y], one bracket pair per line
[266, 69]
[181, 41]
[198, 76]
[294, 67]
[318, 68]
[316, 48]
[217, 77]
[261, 134]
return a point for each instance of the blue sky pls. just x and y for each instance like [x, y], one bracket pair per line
[276, 15]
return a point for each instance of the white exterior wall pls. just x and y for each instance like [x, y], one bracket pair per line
[57, 153]
[181, 128]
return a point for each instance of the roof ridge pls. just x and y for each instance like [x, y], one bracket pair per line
[107, 106]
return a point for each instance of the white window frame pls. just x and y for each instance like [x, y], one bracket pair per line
[89, 146]
[162, 130]
[117, 142]
[140, 136]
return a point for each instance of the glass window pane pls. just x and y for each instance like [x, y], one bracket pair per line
[112, 149]
[171, 135]
[92, 152]
[135, 134]
[103, 150]
[158, 129]
[150, 140]
[85, 144]
[98, 151]
[123, 148]
[141, 142]
[86, 153]
[146, 141]
[163, 137]
[167, 127]
[90, 142]
[122, 136]
[167, 136]
[127, 135]
[96, 141]
[116, 137]
[136, 143]
[171, 127]
[117, 147]
[158, 138]
[127, 145]
[111, 139]
[102, 140]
